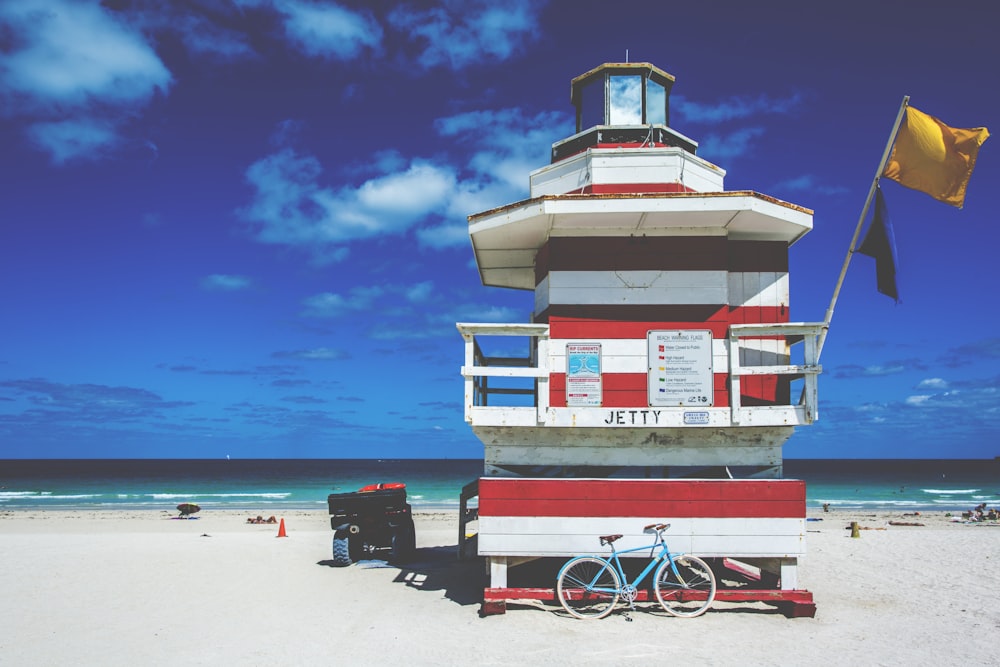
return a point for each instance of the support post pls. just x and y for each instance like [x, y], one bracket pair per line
[789, 574]
[498, 571]
[469, 491]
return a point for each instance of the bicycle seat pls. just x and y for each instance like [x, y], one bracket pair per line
[657, 527]
[608, 539]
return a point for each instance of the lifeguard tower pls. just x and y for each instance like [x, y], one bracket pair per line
[660, 375]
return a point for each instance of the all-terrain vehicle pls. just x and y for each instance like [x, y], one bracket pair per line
[374, 521]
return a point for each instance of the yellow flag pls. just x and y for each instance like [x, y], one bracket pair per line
[936, 159]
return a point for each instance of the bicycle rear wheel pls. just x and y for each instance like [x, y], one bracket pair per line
[588, 587]
[690, 594]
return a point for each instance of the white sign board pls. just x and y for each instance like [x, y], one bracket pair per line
[583, 374]
[680, 368]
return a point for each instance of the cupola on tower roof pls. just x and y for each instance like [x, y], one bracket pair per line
[627, 176]
[622, 94]
[626, 103]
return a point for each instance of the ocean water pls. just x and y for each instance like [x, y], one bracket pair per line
[262, 485]
[266, 486]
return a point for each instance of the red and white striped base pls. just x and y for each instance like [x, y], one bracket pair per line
[563, 517]
[761, 522]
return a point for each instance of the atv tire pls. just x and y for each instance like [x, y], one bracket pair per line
[404, 543]
[341, 549]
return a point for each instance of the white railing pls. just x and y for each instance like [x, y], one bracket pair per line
[807, 409]
[746, 359]
[479, 368]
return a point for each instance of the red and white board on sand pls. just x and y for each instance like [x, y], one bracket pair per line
[563, 517]
[756, 522]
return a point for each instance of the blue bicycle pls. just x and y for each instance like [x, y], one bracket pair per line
[589, 586]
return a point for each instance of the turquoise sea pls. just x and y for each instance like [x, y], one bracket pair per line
[269, 485]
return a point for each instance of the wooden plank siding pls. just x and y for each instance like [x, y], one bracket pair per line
[621, 169]
[659, 253]
[549, 517]
[643, 497]
[613, 289]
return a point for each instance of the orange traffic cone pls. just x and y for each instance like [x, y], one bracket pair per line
[281, 528]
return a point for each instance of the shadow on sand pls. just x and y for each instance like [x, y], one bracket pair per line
[436, 569]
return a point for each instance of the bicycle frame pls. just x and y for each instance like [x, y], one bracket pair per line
[655, 560]
[589, 586]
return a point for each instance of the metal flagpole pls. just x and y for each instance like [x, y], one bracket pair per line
[857, 230]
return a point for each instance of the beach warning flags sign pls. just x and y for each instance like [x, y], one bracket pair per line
[934, 158]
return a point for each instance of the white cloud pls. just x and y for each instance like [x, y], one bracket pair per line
[71, 139]
[328, 304]
[933, 383]
[420, 292]
[444, 236]
[387, 161]
[509, 145]
[291, 207]
[725, 144]
[917, 400]
[458, 34]
[225, 282]
[207, 28]
[78, 72]
[398, 199]
[734, 144]
[76, 54]
[315, 354]
[286, 204]
[328, 30]
[512, 126]
[879, 370]
[807, 183]
[476, 313]
[732, 108]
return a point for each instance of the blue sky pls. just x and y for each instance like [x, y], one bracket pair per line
[239, 228]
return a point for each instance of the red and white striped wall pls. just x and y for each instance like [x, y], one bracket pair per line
[712, 518]
[615, 290]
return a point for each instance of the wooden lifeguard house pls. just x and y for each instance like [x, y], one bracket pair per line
[661, 372]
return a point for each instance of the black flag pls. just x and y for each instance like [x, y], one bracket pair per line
[880, 243]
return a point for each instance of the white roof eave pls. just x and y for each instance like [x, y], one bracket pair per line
[503, 239]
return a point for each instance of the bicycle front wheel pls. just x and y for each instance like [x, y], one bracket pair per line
[689, 591]
[588, 587]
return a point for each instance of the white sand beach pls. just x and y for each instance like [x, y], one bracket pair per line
[141, 588]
